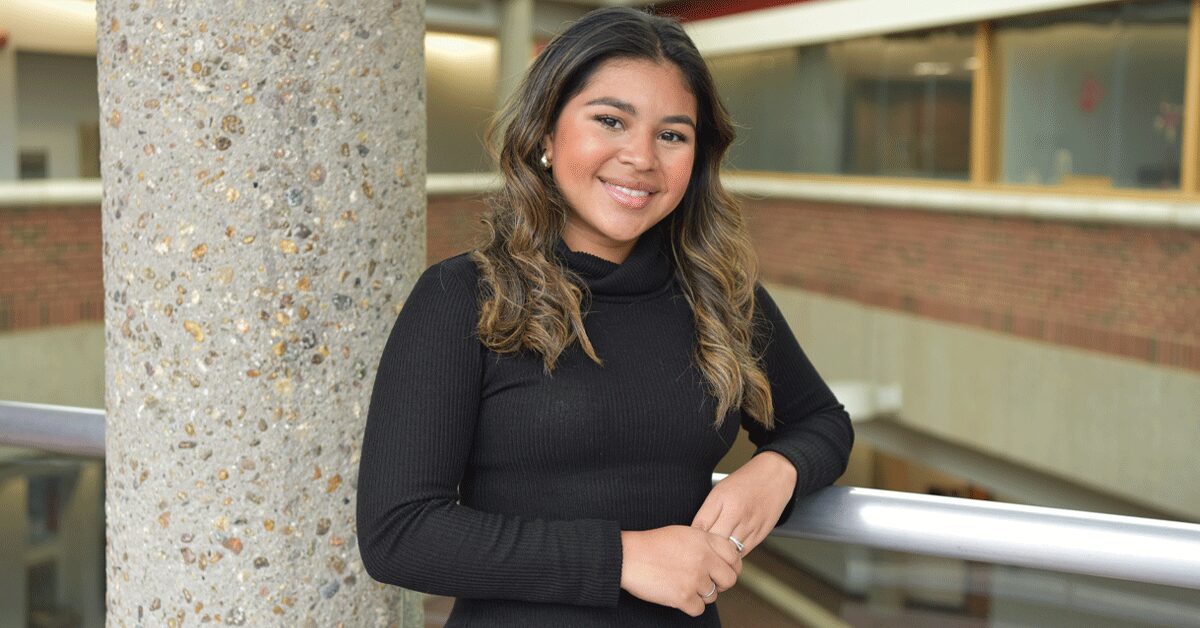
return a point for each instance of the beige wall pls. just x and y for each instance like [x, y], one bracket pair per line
[461, 76]
[56, 365]
[1108, 423]
[1112, 424]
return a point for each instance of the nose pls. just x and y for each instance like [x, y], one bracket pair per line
[639, 153]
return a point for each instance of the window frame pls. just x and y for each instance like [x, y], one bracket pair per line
[984, 152]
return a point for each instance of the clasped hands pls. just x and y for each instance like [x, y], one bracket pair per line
[677, 565]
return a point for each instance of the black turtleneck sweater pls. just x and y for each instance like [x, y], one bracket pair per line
[484, 479]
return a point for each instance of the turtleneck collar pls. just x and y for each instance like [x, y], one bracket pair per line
[646, 271]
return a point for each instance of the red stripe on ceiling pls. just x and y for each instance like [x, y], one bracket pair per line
[705, 9]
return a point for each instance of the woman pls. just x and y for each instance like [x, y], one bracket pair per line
[549, 408]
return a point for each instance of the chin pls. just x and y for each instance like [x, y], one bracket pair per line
[625, 235]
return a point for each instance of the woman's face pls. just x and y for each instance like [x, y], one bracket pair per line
[622, 153]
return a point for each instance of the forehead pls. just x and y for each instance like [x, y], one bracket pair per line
[644, 83]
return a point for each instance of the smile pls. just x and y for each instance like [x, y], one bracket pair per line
[629, 197]
[630, 191]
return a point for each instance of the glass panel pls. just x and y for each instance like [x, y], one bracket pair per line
[44, 500]
[792, 583]
[908, 103]
[1093, 97]
[868, 587]
[54, 95]
[896, 105]
[52, 561]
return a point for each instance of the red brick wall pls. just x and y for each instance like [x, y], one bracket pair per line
[452, 226]
[692, 10]
[1119, 290]
[50, 266]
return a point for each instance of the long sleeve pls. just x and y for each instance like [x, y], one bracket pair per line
[812, 429]
[416, 446]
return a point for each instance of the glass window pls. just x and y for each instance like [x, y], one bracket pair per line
[1093, 97]
[895, 105]
[55, 93]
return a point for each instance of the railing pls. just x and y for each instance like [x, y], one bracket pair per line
[1072, 541]
[56, 429]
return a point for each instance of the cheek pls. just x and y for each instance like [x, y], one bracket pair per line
[577, 150]
[681, 173]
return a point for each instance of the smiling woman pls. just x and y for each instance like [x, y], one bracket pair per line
[622, 151]
[550, 406]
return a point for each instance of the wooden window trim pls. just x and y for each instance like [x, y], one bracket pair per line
[1189, 168]
[984, 112]
[972, 186]
[986, 122]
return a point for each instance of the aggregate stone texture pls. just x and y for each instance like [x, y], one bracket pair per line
[263, 218]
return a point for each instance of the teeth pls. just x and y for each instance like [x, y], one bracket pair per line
[630, 191]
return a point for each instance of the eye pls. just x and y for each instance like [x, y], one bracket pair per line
[608, 121]
[673, 137]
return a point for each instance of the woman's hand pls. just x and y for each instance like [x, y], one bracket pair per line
[675, 565]
[748, 502]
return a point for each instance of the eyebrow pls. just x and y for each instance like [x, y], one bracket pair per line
[631, 110]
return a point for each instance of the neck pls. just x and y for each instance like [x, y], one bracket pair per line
[644, 270]
[615, 252]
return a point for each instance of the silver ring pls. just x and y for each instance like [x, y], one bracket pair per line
[738, 544]
[709, 594]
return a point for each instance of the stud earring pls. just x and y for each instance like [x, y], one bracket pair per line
[545, 161]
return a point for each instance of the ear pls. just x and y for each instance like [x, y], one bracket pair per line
[548, 146]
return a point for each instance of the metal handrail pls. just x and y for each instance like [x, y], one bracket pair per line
[1073, 541]
[56, 429]
[1055, 539]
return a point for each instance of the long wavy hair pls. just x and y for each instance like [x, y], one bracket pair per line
[531, 301]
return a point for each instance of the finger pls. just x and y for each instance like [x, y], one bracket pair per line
[725, 577]
[728, 554]
[708, 514]
[724, 524]
[757, 538]
[723, 548]
[744, 533]
[710, 585]
[714, 587]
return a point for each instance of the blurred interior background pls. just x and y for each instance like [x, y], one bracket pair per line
[981, 219]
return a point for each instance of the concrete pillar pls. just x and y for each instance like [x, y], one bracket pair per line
[516, 44]
[8, 109]
[263, 215]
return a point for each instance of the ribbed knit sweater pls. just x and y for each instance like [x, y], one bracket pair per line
[485, 479]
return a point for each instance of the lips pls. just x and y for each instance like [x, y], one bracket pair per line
[633, 196]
